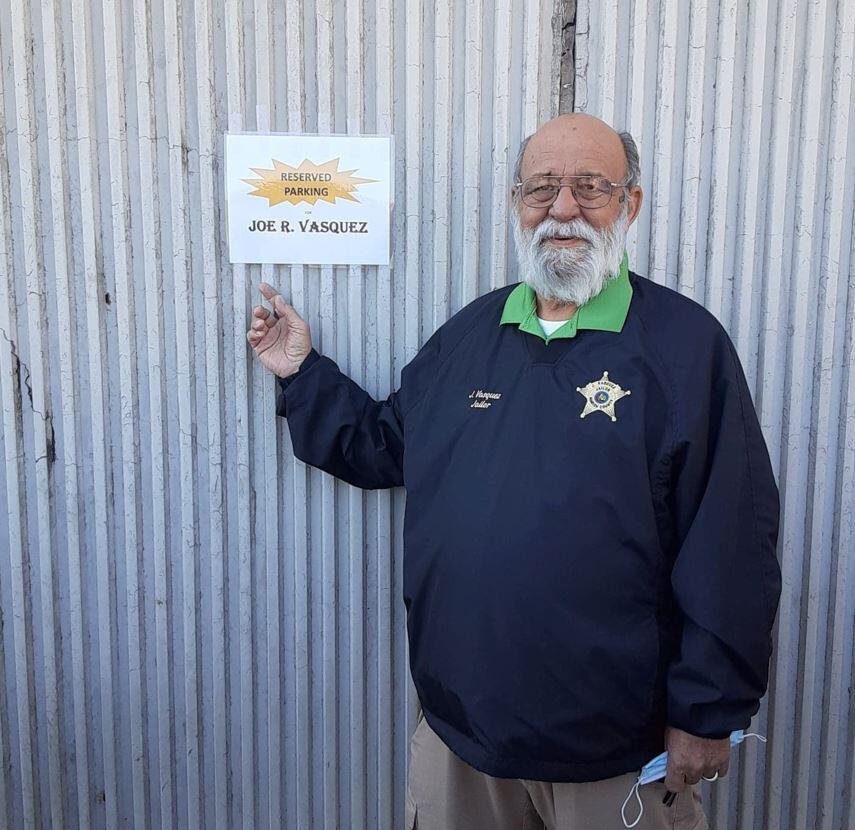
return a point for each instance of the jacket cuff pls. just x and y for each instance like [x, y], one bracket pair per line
[308, 360]
[283, 383]
[713, 734]
[710, 720]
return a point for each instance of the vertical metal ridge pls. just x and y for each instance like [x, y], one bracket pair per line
[749, 260]
[558, 70]
[442, 141]
[836, 757]
[385, 53]
[20, 611]
[665, 103]
[127, 349]
[39, 551]
[354, 803]
[807, 393]
[533, 76]
[267, 605]
[783, 700]
[472, 151]
[157, 762]
[5, 755]
[187, 755]
[369, 804]
[11, 455]
[412, 198]
[216, 791]
[644, 49]
[502, 22]
[722, 182]
[692, 235]
[17, 621]
[242, 709]
[301, 817]
[582, 94]
[608, 11]
[102, 494]
[325, 630]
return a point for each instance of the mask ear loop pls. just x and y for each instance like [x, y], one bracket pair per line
[753, 735]
[640, 805]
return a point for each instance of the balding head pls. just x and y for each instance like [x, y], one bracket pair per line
[571, 144]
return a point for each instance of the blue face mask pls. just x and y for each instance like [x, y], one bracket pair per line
[655, 769]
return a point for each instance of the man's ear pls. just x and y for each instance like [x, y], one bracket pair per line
[636, 195]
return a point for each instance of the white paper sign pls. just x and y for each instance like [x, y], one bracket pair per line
[311, 199]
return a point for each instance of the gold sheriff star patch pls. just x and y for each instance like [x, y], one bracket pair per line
[601, 396]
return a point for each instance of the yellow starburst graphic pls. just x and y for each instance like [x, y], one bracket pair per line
[309, 183]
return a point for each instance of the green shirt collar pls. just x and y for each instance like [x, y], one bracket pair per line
[607, 311]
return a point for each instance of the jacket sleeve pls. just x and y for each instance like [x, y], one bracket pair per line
[337, 426]
[726, 580]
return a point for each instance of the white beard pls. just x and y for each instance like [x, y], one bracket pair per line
[570, 275]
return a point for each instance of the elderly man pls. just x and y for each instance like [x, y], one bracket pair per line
[590, 574]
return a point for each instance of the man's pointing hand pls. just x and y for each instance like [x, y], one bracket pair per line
[281, 340]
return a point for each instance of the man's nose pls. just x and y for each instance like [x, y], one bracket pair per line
[565, 207]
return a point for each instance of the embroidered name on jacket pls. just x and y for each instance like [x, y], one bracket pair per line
[481, 399]
[601, 396]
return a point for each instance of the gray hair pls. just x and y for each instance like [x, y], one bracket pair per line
[633, 165]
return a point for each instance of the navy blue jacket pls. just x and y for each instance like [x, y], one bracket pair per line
[572, 585]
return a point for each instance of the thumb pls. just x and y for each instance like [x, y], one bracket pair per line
[280, 307]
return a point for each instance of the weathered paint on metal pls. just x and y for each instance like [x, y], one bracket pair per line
[743, 113]
[197, 630]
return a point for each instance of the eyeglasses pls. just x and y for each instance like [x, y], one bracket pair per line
[588, 191]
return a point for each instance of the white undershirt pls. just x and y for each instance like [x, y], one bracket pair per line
[550, 326]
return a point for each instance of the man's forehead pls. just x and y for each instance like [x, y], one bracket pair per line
[575, 150]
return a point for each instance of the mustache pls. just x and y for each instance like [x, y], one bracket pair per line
[575, 227]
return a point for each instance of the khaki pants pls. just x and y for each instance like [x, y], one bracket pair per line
[445, 793]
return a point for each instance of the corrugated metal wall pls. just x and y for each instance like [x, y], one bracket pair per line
[198, 631]
[744, 113]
